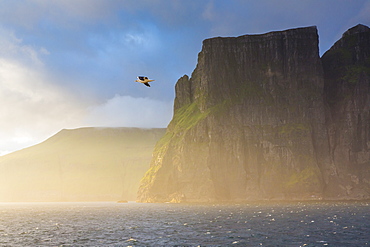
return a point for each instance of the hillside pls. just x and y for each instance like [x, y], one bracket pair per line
[86, 164]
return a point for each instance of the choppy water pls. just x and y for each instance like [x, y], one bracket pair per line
[135, 224]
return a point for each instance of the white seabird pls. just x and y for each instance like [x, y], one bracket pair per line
[144, 80]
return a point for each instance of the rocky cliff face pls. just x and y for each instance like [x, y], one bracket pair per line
[252, 123]
[347, 92]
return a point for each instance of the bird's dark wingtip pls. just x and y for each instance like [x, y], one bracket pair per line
[147, 84]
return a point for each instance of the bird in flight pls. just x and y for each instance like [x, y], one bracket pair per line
[144, 80]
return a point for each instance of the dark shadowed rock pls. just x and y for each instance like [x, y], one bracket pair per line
[347, 91]
[249, 124]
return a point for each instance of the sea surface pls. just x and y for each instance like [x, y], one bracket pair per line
[137, 224]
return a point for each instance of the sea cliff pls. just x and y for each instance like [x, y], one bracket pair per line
[347, 94]
[262, 118]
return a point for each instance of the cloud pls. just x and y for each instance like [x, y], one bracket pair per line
[12, 48]
[66, 13]
[32, 105]
[36, 102]
[130, 112]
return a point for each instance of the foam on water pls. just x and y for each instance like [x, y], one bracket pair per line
[134, 224]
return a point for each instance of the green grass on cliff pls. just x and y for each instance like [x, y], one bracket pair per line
[288, 129]
[188, 116]
[148, 177]
[183, 120]
[306, 177]
[353, 72]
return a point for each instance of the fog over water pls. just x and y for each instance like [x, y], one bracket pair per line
[135, 224]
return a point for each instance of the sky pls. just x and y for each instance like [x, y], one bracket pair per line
[67, 64]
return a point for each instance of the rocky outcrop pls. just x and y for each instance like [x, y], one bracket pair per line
[347, 92]
[86, 164]
[252, 123]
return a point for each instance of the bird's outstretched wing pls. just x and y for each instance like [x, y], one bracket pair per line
[146, 84]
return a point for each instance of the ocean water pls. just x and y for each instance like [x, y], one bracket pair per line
[137, 224]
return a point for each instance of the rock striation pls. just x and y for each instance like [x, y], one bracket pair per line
[262, 118]
[347, 93]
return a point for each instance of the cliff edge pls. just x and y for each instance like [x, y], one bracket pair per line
[255, 122]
